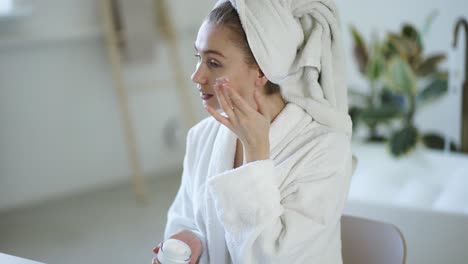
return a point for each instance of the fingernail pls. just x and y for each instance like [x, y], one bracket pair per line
[222, 80]
[156, 248]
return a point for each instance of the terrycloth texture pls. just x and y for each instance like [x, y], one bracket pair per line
[285, 209]
[298, 45]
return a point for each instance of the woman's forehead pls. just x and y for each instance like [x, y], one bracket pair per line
[213, 37]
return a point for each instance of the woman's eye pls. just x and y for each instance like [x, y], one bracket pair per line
[211, 63]
[214, 64]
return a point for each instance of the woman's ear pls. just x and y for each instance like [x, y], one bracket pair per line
[261, 79]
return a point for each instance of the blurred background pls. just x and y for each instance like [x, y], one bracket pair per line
[96, 100]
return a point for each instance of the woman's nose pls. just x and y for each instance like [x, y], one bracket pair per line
[198, 76]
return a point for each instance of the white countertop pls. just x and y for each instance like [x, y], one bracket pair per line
[9, 259]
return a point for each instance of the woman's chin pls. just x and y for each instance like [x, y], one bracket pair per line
[215, 107]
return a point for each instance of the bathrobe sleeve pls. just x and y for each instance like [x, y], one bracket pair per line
[294, 225]
[181, 213]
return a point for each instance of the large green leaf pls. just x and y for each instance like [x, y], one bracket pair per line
[441, 75]
[400, 77]
[358, 94]
[354, 112]
[436, 141]
[406, 48]
[387, 97]
[429, 65]
[411, 33]
[375, 67]
[428, 22]
[373, 116]
[358, 98]
[403, 141]
[376, 64]
[436, 89]
[389, 50]
[360, 50]
[414, 44]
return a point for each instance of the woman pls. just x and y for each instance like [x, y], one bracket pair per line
[267, 174]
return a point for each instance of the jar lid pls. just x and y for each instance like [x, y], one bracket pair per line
[174, 251]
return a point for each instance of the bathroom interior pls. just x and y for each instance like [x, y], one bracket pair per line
[96, 100]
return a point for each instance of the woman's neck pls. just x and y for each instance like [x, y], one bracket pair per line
[275, 105]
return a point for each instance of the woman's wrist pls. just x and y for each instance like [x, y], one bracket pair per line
[255, 154]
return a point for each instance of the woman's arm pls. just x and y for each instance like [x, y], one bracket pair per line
[180, 217]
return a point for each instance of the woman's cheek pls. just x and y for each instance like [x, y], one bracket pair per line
[249, 99]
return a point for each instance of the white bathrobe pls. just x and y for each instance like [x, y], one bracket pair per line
[285, 209]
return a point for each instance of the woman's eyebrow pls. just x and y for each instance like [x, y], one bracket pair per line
[209, 51]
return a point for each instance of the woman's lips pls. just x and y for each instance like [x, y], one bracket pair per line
[205, 96]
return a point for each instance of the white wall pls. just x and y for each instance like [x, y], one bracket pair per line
[60, 129]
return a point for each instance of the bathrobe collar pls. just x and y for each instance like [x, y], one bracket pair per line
[282, 130]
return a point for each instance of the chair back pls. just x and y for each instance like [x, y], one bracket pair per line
[366, 241]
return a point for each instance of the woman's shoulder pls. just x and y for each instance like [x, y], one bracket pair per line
[324, 147]
[307, 132]
[314, 144]
[324, 135]
[203, 128]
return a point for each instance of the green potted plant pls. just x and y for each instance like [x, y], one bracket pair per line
[402, 79]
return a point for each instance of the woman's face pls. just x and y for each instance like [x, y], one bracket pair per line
[217, 58]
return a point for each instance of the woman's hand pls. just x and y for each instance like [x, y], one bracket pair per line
[252, 126]
[191, 240]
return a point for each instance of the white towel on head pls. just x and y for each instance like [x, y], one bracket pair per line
[298, 45]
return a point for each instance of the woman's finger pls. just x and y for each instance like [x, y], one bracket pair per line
[156, 248]
[222, 119]
[194, 259]
[223, 100]
[238, 102]
[155, 261]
